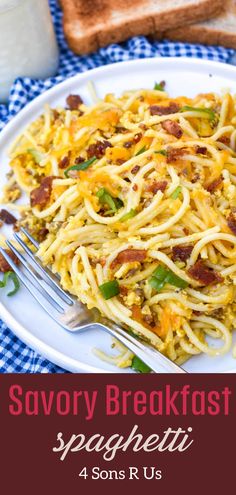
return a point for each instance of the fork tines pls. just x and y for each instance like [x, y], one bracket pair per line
[40, 281]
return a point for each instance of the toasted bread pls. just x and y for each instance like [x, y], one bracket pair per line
[92, 24]
[218, 31]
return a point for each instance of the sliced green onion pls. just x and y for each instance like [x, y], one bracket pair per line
[128, 215]
[101, 192]
[176, 192]
[139, 365]
[141, 151]
[105, 198]
[162, 276]
[210, 113]
[37, 155]
[160, 273]
[119, 203]
[10, 276]
[80, 166]
[156, 284]
[158, 87]
[161, 152]
[173, 279]
[110, 289]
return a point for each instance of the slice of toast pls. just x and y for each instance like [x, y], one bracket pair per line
[218, 31]
[92, 24]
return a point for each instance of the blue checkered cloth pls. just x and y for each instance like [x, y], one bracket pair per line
[15, 356]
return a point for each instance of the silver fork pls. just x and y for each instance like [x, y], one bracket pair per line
[68, 312]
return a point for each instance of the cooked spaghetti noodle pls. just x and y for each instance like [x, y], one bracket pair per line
[138, 213]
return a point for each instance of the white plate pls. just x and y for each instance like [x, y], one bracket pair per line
[22, 314]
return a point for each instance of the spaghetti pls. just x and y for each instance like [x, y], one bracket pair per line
[133, 201]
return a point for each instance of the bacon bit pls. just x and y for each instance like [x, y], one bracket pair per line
[74, 102]
[214, 184]
[143, 127]
[172, 128]
[217, 313]
[173, 154]
[123, 290]
[133, 141]
[181, 253]
[120, 161]
[224, 140]
[195, 178]
[231, 221]
[4, 265]
[135, 169]
[7, 217]
[98, 149]
[157, 186]
[42, 234]
[162, 84]
[135, 187]
[128, 256]
[79, 159]
[41, 194]
[128, 144]
[200, 272]
[149, 320]
[137, 137]
[64, 163]
[202, 150]
[122, 130]
[161, 110]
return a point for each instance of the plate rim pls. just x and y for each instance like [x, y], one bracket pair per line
[35, 343]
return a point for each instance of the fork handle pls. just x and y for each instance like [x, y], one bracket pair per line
[150, 356]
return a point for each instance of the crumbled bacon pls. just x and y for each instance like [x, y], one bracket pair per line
[195, 178]
[129, 256]
[128, 144]
[231, 221]
[149, 319]
[224, 140]
[64, 162]
[42, 234]
[143, 127]
[74, 102]
[162, 84]
[4, 265]
[174, 154]
[137, 137]
[79, 159]
[122, 130]
[135, 169]
[41, 194]
[214, 184]
[164, 110]
[206, 276]
[157, 186]
[202, 150]
[98, 149]
[135, 187]
[133, 141]
[123, 290]
[181, 252]
[7, 217]
[172, 128]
